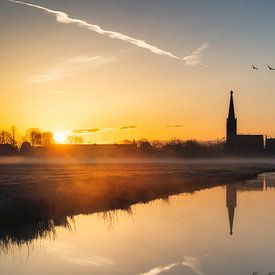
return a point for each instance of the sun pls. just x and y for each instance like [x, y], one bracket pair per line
[60, 137]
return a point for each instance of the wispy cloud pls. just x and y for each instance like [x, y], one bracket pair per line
[86, 131]
[159, 269]
[193, 264]
[174, 126]
[69, 67]
[128, 127]
[190, 262]
[195, 57]
[104, 129]
[78, 257]
[62, 17]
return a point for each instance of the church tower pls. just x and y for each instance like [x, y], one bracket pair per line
[231, 125]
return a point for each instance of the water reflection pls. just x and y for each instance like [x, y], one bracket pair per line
[260, 184]
[231, 203]
[37, 200]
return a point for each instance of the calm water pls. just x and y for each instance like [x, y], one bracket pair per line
[226, 229]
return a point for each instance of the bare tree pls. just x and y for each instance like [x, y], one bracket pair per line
[144, 145]
[5, 137]
[47, 138]
[157, 144]
[13, 133]
[74, 139]
[34, 136]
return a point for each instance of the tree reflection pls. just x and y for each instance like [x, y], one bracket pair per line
[36, 199]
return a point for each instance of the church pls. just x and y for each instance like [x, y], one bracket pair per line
[252, 144]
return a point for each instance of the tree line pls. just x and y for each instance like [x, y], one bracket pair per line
[34, 136]
[175, 147]
[181, 148]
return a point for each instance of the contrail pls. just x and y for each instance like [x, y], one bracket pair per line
[62, 17]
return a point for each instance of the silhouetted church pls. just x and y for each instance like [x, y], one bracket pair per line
[240, 143]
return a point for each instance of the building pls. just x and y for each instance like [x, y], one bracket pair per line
[270, 145]
[7, 150]
[242, 144]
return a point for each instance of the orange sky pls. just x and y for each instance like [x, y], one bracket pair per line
[62, 77]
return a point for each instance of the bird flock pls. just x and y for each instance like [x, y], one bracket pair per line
[256, 68]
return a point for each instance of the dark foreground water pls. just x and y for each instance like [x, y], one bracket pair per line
[107, 220]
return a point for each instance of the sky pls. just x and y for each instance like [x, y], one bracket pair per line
[120, 69]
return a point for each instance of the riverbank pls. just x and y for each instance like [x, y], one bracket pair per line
[38, 197]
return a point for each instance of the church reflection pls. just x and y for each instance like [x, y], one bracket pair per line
[231, 190]
[32, 208]
[231, 203]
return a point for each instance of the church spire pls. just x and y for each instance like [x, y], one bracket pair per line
[231, 113]
[231, 124]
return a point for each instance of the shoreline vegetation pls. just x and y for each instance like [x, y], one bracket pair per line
[35, 199]
[37, 144]
[182, 150]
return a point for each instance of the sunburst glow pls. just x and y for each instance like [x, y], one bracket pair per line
[60, 137]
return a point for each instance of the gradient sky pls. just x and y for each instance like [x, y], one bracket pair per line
[61, 77]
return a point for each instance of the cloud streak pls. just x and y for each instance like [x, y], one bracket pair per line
[78, 257]
[96, 130]
[86, 131]
[193, 264]
[189, 262]
[128, 127]
[159, 269]
[195, 57]
[174, 126]
[62, 17]
[69, 67]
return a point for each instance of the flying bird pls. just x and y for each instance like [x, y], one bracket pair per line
[254, 68]
[271, 69]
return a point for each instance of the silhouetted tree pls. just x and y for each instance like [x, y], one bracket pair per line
[173, 148]
[13, 132]
[47, 138]
[34, 136]
[157, 144]
[145, 146]
[214, 148]
[175, 141]
[74, 139]
[192, 148]
[5, 137]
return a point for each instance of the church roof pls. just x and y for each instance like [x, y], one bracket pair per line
[249, 138]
